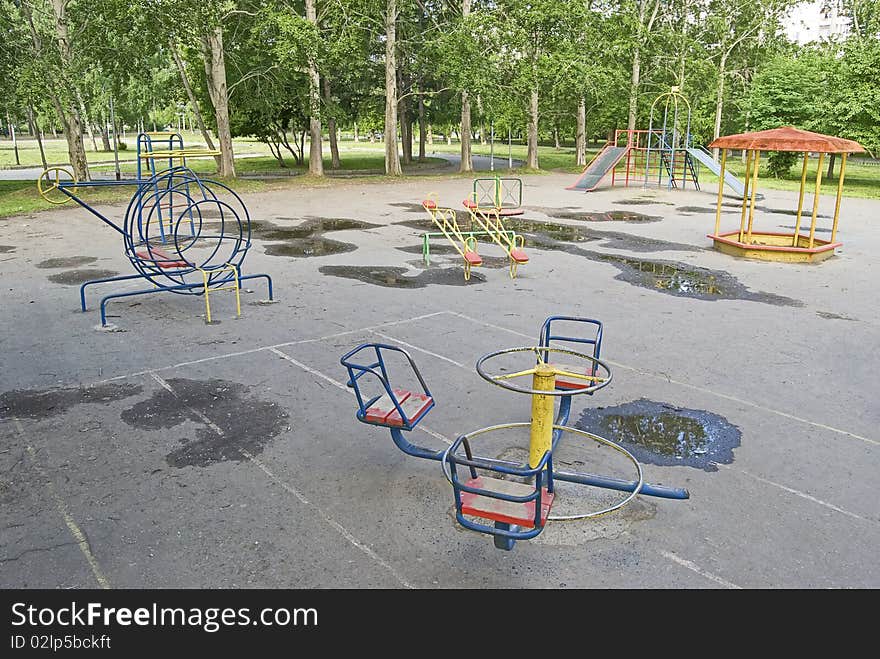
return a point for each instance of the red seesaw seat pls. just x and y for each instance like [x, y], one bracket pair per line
[413, 406]
[160, 258]
[518, 255]
[510, 512]
[473, 258]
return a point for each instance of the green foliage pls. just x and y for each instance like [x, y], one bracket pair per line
[779, 163]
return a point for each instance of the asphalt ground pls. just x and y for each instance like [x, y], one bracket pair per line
[172, 453]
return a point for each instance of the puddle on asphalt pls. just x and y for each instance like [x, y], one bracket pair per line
[462, 218]
[607, 216]
[786, 211]
[642, 202]
[317, 246]
[43, 403]
[695, 209]
[569, 233]
[664, 276]
[827, 315]
[305, 239]
[7, 248]
[395, 277]
[447, 250]
[805, 230]
[221, 403]
[67, 262]
[682, 280]
[411, 206]
[662, 434]
[77, 277]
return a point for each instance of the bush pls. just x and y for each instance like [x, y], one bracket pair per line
[779, 163]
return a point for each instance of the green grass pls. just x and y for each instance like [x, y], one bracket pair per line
[365, 160]
[860, 180]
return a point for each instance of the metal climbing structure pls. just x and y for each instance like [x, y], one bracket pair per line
[182, 234]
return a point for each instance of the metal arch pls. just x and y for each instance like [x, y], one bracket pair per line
[674, 95]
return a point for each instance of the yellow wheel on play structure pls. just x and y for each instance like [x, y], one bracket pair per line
[51, 181]
[594, 374]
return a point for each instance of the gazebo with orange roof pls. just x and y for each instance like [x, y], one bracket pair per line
[768, 246]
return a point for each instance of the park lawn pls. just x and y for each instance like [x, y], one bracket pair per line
[861, 180]
[351, 162]
[56, 150]
[366, 161]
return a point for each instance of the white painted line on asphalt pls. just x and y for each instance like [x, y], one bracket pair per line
[80, 537]
[803, 495]
[309, 369]
[692, 386]
[695, 568]
[348, 390]
[414, 347]
[292, 490]
[270, 347]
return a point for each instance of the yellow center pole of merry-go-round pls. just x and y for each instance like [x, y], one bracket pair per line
[800, 210]
[839, 194]
[541, 438]
[720, 191]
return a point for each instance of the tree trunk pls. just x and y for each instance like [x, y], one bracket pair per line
[105, 135]
[184, 79]
[556, 144]
[580, 140]
[331, 126]
[467, 161]
[85, 118]
[215, 68]
[392, 159]
[532, 154]
[422, 129]
[634, 89]
[830, 171]
[430, 135]
[719, 102]
[405, 123]
[33, 122]
[71, 123]
[316, 151]
[356, 136]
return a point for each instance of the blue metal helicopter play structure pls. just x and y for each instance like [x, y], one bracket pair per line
[183, 234]
[516, 498]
